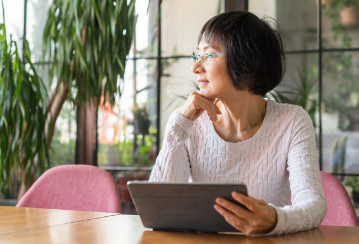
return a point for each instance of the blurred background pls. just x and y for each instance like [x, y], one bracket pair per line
[322, 44]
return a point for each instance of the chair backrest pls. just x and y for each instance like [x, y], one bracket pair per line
[74, 187]
[340, 208]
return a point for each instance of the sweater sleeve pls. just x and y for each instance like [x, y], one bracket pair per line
[309, 205]
[172, 163]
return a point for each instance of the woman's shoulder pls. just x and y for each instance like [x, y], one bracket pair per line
[285, 109]
[288, 113]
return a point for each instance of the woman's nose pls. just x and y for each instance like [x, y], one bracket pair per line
[197, 67]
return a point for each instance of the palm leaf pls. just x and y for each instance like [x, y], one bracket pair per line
[22, 114]
[88, 49]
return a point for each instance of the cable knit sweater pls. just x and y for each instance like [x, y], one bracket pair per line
[278, 164]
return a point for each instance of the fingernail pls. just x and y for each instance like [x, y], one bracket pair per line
[235, 194]
[218, 200]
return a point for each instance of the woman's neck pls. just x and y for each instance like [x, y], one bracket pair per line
[242, 115]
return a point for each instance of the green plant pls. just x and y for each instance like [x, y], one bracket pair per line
[126, 146]
[23, 149]
[140, 112]
[332, 10]
[338, 156]
[87, 43]
[340, 4]
[302, 92]
[147, 152]
[353, 181]
[340, 65]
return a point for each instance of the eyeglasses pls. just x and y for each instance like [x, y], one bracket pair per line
[204, 58]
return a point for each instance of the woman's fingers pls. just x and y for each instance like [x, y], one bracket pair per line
[231, 218]
[196, 104]
[259, 218]
[234, 208]
[250, 202]
[207, 105]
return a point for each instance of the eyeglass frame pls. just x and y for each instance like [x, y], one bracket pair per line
[204, 59]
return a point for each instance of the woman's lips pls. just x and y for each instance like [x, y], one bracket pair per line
[202, 83]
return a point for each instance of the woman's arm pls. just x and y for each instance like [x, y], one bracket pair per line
[309, 205]
[172, 163]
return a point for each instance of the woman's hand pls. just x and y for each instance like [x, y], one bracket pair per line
[258, 219]
[196, 104]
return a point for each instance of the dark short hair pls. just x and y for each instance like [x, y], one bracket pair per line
[255, 51]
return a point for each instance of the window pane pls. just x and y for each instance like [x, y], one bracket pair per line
[123, 139]
[177, 82]
[14, 20]
[63, 145]
[300, 86]
[113, 125]
[340, 112]
[182, 22]
[297, 20]
[146, 29]
[37, 11]
[340, 22]
[146, 97]
[43, 71]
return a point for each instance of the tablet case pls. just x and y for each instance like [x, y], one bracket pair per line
[182, 206]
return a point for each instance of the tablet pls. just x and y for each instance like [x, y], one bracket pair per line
[182, 206]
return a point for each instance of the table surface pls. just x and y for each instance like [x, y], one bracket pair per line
[30, 225]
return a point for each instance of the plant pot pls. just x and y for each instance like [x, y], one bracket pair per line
[349, 16]
[356, 197]
[113, 156]
[141, 126]
[323, 2]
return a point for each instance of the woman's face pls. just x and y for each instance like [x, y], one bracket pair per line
[214, 81]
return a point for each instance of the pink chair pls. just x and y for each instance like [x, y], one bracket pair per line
[340, 208]
[74, 187]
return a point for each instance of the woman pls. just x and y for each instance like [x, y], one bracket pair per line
[227, 132]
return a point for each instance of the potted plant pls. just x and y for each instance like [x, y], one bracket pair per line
[141, 122]
[87, 43]
[113, 154]
[23, 114]
[348, 11]
[353, 181]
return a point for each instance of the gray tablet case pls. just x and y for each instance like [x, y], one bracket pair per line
[182, 206]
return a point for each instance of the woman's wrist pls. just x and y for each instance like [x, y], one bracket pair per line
[273, 219]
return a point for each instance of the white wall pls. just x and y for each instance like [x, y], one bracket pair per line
[181, 23]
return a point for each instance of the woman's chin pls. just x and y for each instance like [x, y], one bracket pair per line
[206, 94]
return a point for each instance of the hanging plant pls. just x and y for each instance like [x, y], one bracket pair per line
[345, 10]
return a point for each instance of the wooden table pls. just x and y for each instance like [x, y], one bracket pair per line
[30, 225]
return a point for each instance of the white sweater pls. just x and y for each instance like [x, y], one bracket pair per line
[278, 164]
